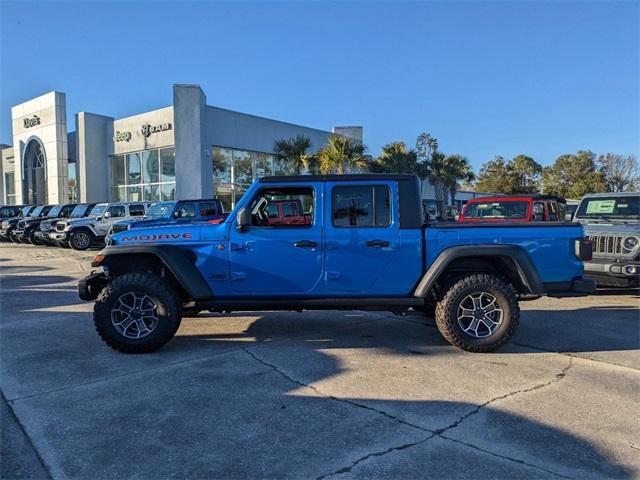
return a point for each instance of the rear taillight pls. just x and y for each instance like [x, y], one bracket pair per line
[584, 249]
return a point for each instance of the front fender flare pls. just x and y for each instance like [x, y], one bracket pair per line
[178, 260]
[525, 268]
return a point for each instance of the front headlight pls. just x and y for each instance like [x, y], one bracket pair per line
[630, 243]
[5, 223]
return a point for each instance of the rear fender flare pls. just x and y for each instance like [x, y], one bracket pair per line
[526, 271]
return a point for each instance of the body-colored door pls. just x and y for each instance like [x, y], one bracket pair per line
[268, 259]
[362, 238]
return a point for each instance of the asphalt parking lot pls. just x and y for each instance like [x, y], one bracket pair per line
[314, 395]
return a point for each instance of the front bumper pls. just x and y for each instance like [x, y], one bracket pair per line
[624, 269]
[607, 273]
[58, 236]
[42, 236]
[91, 285]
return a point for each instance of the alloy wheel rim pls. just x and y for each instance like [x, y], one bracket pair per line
[81, 240]
[134, 315]
[479, 315]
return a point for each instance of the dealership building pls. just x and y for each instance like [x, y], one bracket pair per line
[186, 150]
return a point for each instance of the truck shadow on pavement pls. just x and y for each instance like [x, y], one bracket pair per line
[227, 399]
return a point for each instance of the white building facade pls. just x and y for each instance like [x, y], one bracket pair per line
[186, 150]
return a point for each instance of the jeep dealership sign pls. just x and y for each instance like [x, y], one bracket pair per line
[31, 121]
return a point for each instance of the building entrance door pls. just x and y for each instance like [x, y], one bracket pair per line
[34, 184]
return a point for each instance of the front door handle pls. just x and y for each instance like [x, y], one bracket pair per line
[377, 243]
[305, 244]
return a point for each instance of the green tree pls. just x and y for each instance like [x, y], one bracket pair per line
[494, 177]
[397, 158]
[342, 155]
[574, 175]
[621, 172]
[525, 173]
[456, 169]
[426, 145]
[294, 152]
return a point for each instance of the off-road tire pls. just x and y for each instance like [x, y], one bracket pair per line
[168, 304]
[77, 242]
[455, 293]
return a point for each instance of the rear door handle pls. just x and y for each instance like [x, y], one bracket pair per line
[305, 244]
[377, 243]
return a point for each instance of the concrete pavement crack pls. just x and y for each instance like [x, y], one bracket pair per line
[347, 469]
[559, 376]
[331, 397]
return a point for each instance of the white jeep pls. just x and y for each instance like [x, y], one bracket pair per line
[81, 233]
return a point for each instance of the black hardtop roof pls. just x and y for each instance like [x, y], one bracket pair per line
[338, 178]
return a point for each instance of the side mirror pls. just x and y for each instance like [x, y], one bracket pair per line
[243, 220]
[107, 214]
[176, 214]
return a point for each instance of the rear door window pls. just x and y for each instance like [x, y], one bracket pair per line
[361, 206]
[208, 209]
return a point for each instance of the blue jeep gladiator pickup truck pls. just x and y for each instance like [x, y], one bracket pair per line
[363, 245]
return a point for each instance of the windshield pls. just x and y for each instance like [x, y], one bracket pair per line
[25, 210]
[99, 209]
[160, 209]
[502, 209]
[610, 207]
[78, 211]
[36, 211]
[7, 211]
[55, 211]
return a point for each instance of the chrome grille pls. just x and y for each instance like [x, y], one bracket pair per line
[606, 244]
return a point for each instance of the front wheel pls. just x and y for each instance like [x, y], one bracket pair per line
[137, 313]
[478, 313]
[80, 240]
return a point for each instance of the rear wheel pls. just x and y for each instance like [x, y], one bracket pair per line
[81, 239]
[137, 313]
[478, 313]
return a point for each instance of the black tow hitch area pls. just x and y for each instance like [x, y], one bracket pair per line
[89, 287]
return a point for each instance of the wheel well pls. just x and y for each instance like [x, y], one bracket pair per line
[504, 266]
[83, 228]
[142, 262]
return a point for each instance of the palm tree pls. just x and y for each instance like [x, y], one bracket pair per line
[396, 158]
[341, 155]
[456, 169]
[437, 172]
[293, 151]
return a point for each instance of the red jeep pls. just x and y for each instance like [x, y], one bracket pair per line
[518, 208]
[286, 212]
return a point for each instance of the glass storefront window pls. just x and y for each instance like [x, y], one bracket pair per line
[134, 194]
[168, 191]
[168, 164]
[150, 170]
[151, 192]
[134, 171]
[117, 170]
[222, 161]
[242, 168]
[263, 166]
[10, 187]
[143, 176]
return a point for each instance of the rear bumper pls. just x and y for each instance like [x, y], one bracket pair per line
[578, 287]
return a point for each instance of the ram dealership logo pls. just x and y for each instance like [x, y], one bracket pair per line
[31, 121]
[147, 129]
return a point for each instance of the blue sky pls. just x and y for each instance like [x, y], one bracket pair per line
[485, 78]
